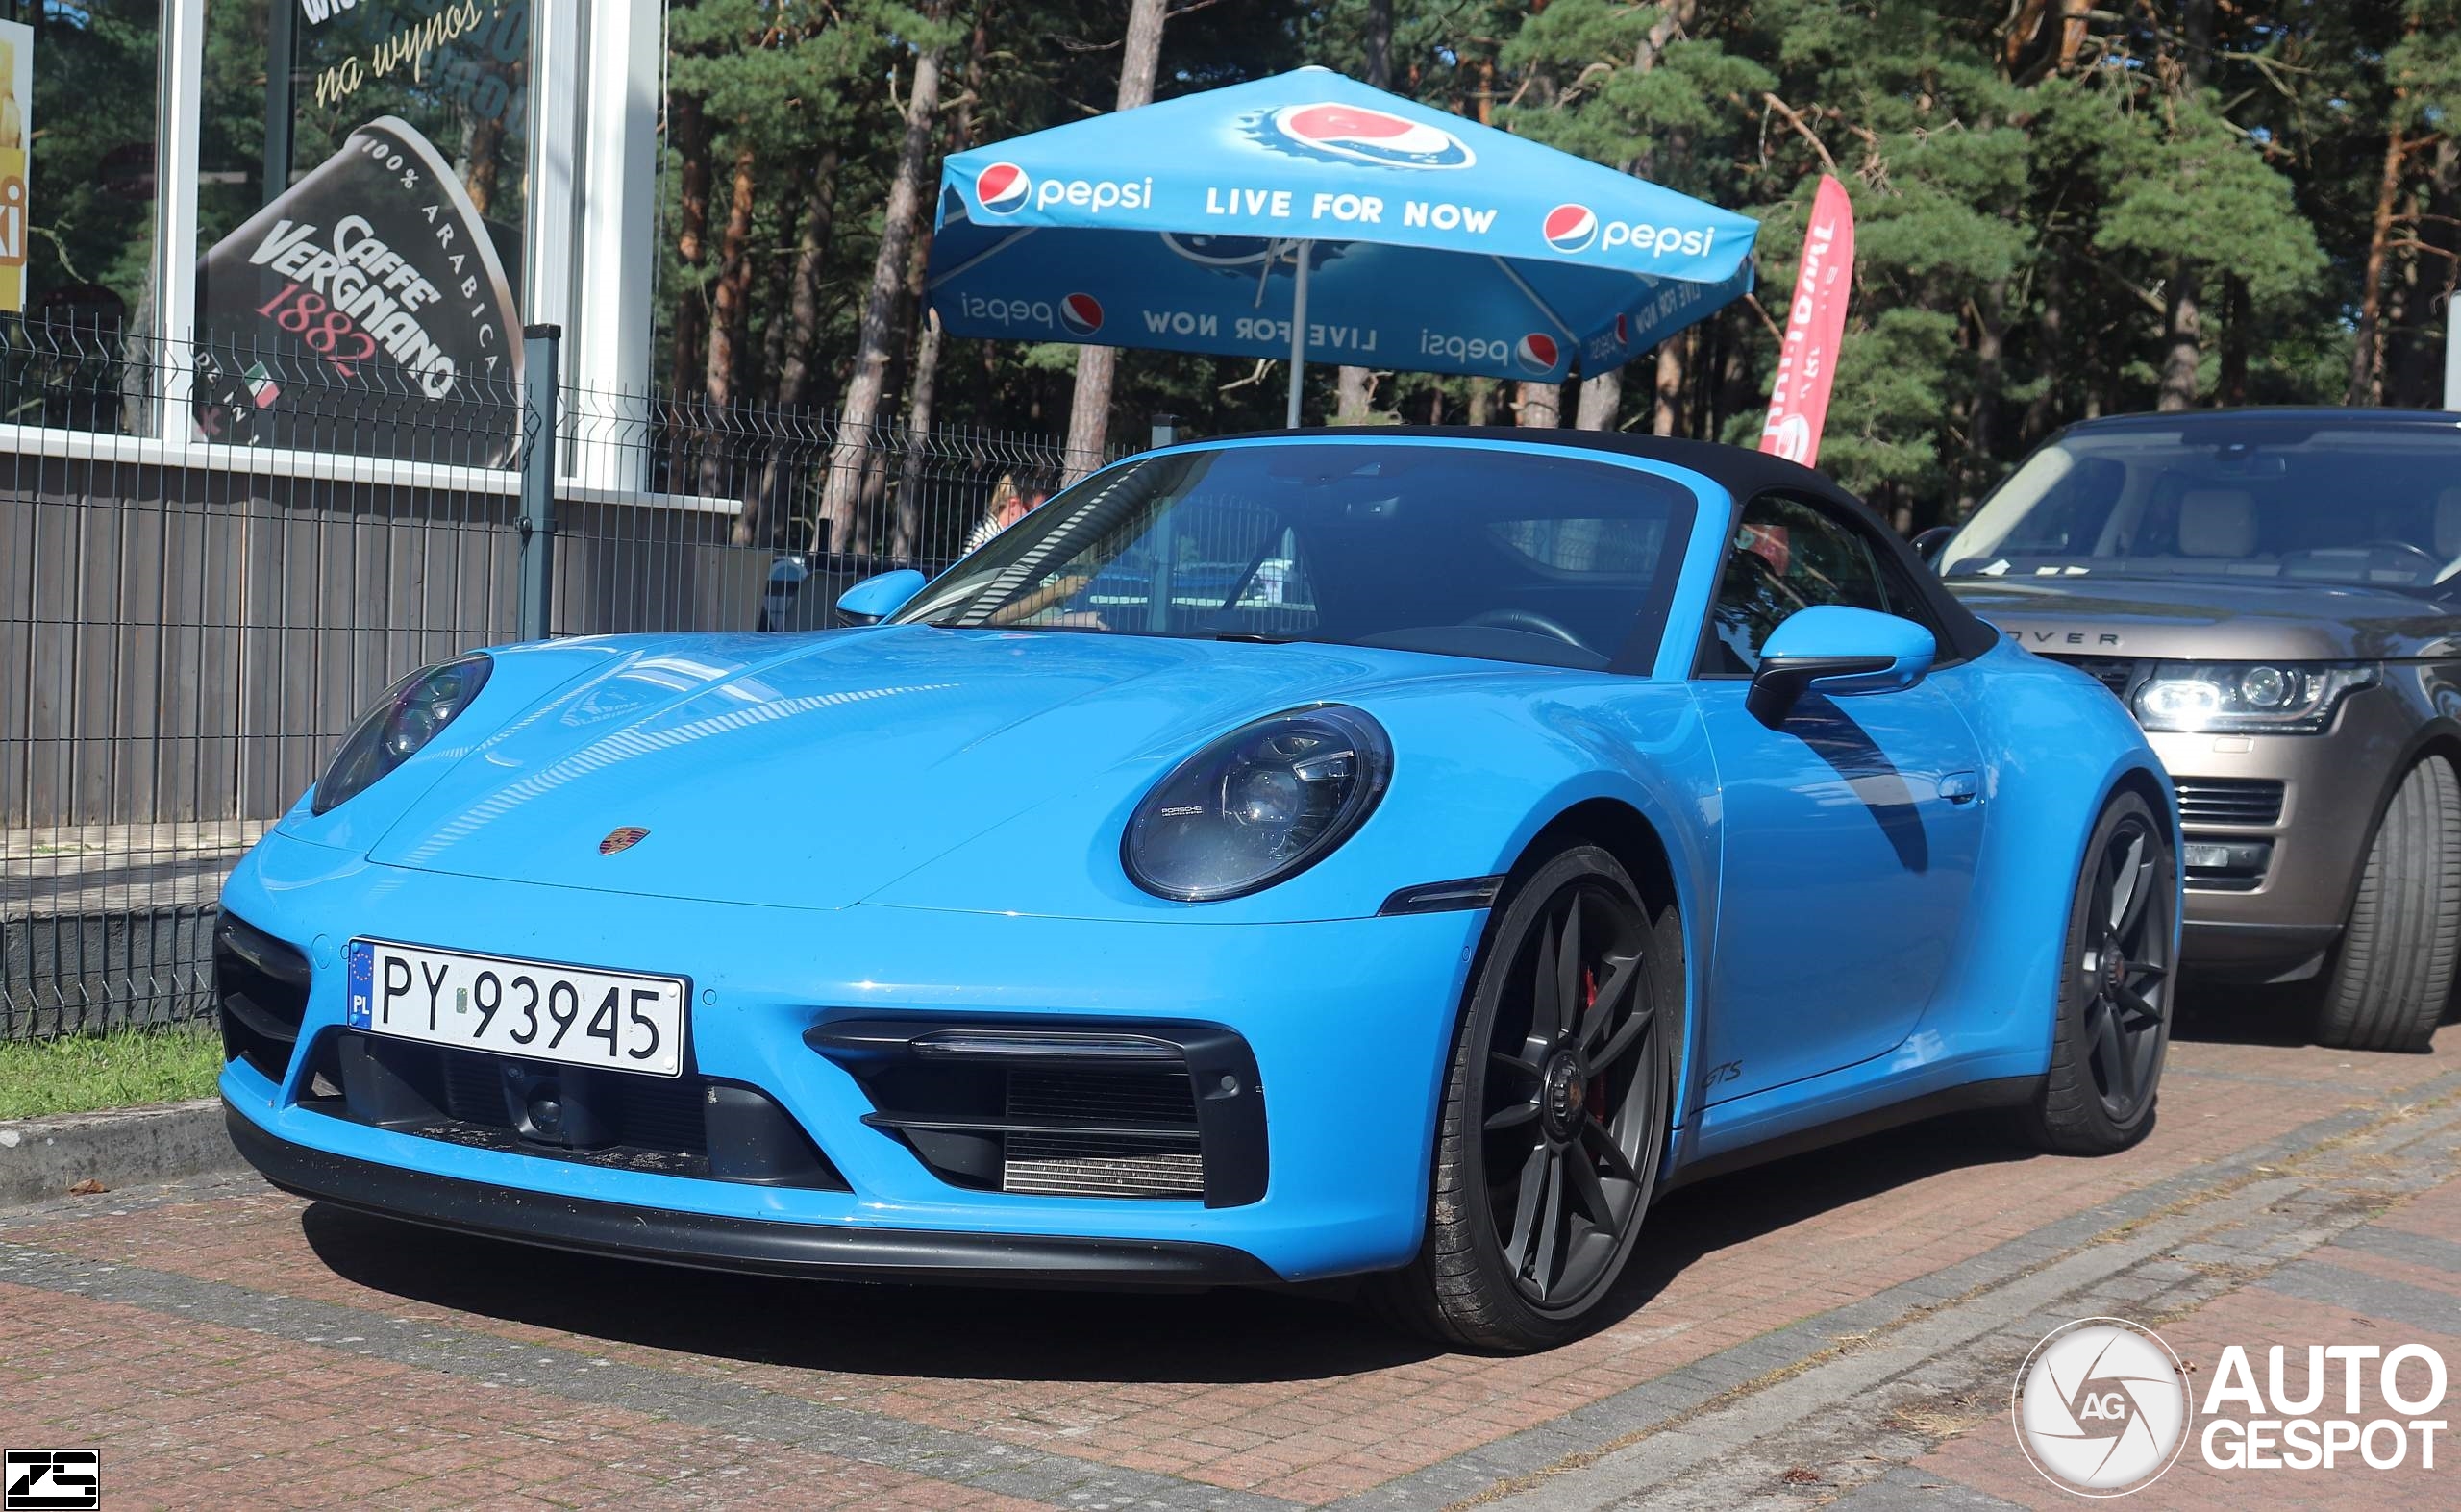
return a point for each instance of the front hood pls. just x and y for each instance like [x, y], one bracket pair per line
[810, 771]
[2203, 620]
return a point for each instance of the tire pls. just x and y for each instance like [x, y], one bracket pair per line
[2113, 1017]
[1552, 1126]
[2390, 978]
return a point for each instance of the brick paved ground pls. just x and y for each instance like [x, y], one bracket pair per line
[1845, 1325]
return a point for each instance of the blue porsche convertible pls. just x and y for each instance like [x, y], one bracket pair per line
[1398, 854]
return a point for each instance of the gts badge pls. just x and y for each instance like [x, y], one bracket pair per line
[1720, 1074]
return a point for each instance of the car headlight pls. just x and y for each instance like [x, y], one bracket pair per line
[1260, 804]
[412, 714]
[2253, 697]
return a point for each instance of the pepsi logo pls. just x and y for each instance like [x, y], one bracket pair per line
[1570, 228]
[1536, 353]
[1002, 187]
[1364, 133]
[1082, 314]
[1623, 331]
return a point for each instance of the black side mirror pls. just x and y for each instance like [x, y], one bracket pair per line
[1836, 651]
[1783, 680]
[1927, 544]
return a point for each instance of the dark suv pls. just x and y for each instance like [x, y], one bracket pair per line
[2276, 595]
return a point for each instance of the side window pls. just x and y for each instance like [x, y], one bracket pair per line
[1785, 555]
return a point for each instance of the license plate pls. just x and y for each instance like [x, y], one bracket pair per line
[613, 1021]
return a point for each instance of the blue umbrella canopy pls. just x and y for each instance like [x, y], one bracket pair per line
[1308, 216]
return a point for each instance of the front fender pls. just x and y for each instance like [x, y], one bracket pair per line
[1478, 772]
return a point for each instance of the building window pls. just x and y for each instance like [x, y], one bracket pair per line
[87, 234]
[363, 194]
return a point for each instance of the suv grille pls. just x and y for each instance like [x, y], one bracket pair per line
[2115, 673]
[2229, 801]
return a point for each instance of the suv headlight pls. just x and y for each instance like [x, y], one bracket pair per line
[1260, 805]
[2285, 698]
[412, 712]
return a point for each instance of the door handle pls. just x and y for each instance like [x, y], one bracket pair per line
[1959, 787]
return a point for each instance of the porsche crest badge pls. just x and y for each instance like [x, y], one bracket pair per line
[622, 839]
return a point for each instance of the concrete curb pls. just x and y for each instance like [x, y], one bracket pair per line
[43, 1157]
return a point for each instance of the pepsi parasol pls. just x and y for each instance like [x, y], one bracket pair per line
[1311, 217]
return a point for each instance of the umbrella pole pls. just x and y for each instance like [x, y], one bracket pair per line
[1297, 339]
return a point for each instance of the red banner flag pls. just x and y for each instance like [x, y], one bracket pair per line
[1815, 325]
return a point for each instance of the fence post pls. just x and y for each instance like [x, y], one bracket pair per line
[1166, 431]
[538, 383]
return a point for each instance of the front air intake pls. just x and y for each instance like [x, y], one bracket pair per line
[261, 994]
[1075, 1108]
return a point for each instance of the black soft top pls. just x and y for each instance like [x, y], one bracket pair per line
[1745, 474]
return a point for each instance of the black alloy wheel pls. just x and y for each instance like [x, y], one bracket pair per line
[2124, 972]
[1556, 1113]
[2114, 1011]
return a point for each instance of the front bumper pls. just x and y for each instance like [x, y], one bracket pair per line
[770, 1245]
[1349, 1021]
[2332, 786]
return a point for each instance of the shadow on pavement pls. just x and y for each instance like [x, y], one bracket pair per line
[2229, 1014]
[969, 1333]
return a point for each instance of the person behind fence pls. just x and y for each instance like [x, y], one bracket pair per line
[1008, 505]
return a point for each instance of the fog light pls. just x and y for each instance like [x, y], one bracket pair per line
[2230, 866]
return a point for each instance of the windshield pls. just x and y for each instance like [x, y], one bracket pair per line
[1482, 551]
[2284, 499]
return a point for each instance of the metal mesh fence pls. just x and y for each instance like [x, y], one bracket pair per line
[209, 567]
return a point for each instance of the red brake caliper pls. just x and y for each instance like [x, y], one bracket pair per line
[1588, 1005]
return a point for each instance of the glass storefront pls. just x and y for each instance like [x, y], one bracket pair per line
[362, 193]
[335, 240]
[89, 216]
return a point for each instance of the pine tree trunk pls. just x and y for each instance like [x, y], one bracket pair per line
[1482, 401]
[730, 293]
[689, 130]
[1602, 394]
[1982, 424]
[1666, 402]
[1354, 388]
[731, 289]
[811, 257]
[2231, 384]
[906, 543]
[1089, 412]
[2364, 387]
[1539, 405]
[2041, 409]
[2414, 378]
[780, 288]
[835, 530]
[2181, 341]
[1601, 399]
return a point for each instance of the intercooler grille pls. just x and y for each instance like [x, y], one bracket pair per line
[1051, 1107]
[1145, 1163]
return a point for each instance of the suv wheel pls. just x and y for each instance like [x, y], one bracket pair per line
[2388, 982]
